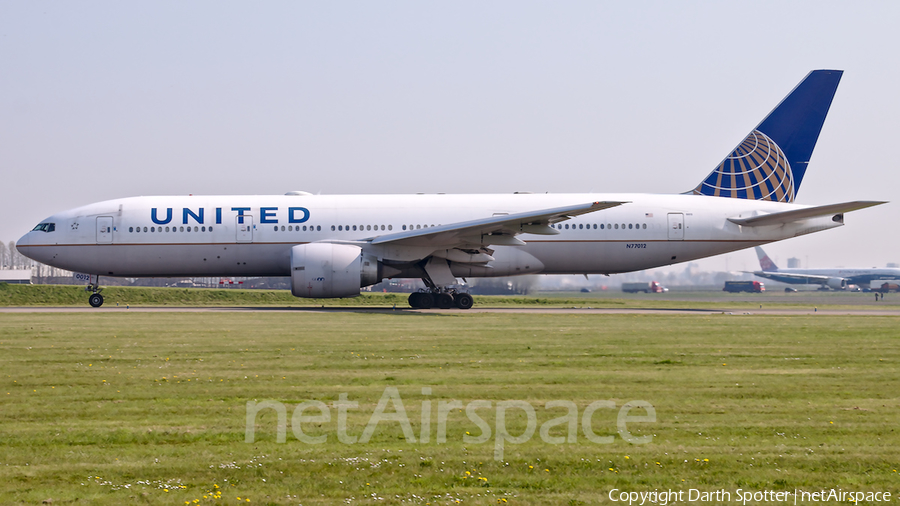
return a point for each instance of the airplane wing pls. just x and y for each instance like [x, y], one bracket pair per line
[784, 217]
[497, 230]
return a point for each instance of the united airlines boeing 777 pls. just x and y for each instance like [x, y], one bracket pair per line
[332, 245]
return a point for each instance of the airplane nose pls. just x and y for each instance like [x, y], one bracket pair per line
[22, 245]
[25, 240]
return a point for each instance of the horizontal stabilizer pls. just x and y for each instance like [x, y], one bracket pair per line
[803, 214]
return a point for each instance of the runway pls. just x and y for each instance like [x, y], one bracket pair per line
[586, 310]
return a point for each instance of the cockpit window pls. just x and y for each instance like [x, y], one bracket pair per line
[44, 227]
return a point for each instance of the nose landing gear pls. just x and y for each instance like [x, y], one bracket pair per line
[95, 300]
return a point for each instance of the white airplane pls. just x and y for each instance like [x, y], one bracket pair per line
[331, 245]
[836, 279]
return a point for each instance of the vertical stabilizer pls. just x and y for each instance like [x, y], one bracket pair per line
[765, 263]
[769, 164]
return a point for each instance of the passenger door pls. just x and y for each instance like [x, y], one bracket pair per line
[676, 226]
[104, 229]
[244, 226]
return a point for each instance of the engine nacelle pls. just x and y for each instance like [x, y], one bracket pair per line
[836, 283]
[326, 270]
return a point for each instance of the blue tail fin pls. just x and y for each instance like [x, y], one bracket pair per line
[769, 164]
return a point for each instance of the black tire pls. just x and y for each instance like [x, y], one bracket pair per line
[444, 301]
[414, 299]
[95, 300]
[426, 301]
[464, 301]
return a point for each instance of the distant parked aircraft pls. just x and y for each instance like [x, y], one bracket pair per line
[836, 279]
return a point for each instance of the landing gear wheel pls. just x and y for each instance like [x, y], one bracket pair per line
[464, 301]
[443, 301]
[95, 300]
[415, 300]
[426, 301]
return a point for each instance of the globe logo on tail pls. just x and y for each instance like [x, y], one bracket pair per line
[757, 169]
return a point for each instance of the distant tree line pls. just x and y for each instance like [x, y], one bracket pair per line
[10, 258]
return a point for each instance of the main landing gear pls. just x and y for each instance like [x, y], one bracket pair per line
[95, 300]
[441, 299]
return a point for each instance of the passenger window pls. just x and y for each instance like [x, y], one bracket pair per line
[131, 229]
[617, 226]
[390, 227]
[181, 229]
[404, 227]
[332, 228]
[210, 229]
[276, 228]
[644, 226]
[282, 228]
[382, 227]
[318, 228]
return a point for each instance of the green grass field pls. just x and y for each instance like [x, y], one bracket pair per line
[150, 408]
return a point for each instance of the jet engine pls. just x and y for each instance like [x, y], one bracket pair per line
[836, 283]
[327, 270]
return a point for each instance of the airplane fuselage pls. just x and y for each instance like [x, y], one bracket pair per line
[253, 235]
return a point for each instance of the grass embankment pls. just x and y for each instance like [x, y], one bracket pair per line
[137, 407]
[61, 295]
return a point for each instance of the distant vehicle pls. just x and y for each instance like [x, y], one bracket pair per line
[646, 287]
[889, 287]
[585, 290]
[789, 290]
[744, 286]
[835, 279]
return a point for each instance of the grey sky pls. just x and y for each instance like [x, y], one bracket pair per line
[100, 100]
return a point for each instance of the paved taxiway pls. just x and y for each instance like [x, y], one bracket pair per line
[499, 310]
